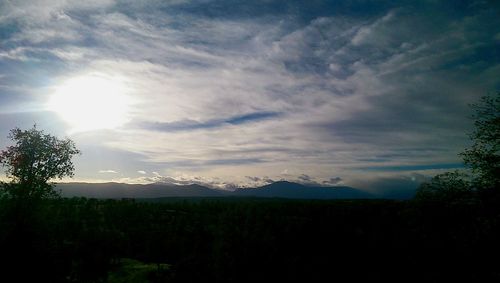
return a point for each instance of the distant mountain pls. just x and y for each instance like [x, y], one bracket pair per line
[280, 189]
[284, 189]
[120, 190]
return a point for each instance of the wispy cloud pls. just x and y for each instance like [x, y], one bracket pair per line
[414, 167]
[317, 89]
[189, 125]
[108, 172]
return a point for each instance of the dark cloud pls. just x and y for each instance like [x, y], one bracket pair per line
[190, 125]
[305, 178]
[253, 179]
[260, 180]
[308, 181]
[333, 181]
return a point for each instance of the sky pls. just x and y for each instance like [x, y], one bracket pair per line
[369, 94]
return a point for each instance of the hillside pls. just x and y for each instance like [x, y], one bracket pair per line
[281, 189]
[284, 189]
[120, 190]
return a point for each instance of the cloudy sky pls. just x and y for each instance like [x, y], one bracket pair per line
[238, 93]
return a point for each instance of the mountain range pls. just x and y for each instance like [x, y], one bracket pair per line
[281, 189]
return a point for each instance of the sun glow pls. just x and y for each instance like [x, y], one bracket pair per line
[92, 102]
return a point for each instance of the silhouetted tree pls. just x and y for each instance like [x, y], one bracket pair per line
[33, 160]
[483, 157]
[449, 186]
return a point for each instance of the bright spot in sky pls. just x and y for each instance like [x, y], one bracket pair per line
[91, 102]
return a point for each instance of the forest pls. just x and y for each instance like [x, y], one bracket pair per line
[244, 240]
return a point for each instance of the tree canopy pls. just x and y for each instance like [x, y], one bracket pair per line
[482, 157]
[33, 160]
[449, 186]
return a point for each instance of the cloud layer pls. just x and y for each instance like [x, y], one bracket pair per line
[328, 93]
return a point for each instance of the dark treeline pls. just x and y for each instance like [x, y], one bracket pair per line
[247, 240]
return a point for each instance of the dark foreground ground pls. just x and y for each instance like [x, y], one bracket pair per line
[248, 240]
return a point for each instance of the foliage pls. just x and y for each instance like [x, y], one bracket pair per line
[33, 160]
[483, 157]
[449, 186]
[134, 271]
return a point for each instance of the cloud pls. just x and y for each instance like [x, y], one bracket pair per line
[257, 181]
[414, 167]
[181, 180]
[142, 172]
[365, 32]
[305, 177]
[316, 89]
[189, 125]
[108, 172]
[254, 179]
[333, 181]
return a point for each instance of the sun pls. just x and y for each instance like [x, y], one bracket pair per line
[91, 102]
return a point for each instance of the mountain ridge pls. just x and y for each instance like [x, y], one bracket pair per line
[280, 189]
[286, 189]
